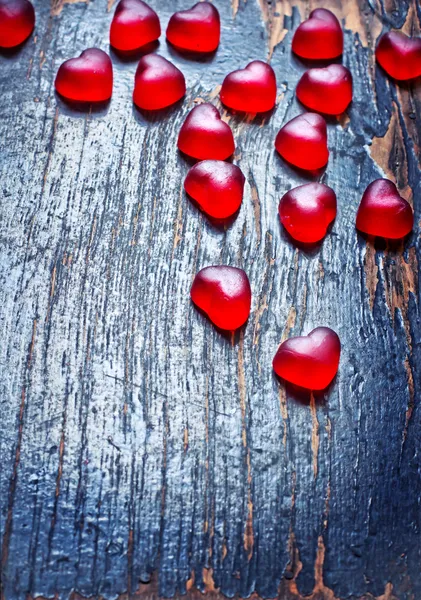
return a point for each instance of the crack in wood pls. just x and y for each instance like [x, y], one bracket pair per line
[58, 5]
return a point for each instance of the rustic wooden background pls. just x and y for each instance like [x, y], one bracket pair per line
[143, 452]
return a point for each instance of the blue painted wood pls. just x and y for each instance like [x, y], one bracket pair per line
[142, 452]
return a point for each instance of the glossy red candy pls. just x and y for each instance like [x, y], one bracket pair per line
[307, 211]
[309, 361]
[204, 135]
[327, 90]
[252, 89]
[134, 25]
[17, 20]
[319, 37]
[399, 55]
[383, 212]
[224, 294]
[303, 142]
[197, 29]
[88, 78]
[158, 83]
[216, 186]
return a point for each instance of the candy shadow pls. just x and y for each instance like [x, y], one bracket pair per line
[404, 84]
[200, 57]
[317, 63]
[14, 50]
[330, 119]
[310, 250]
[398, 246]
[251, 118]
[129, 56]
[77, 109]
[220, 224]
[228, 335]
[191, 161]
[302, 395]
[156, 116]
[381, 244]
[409, 84]
[313, 175]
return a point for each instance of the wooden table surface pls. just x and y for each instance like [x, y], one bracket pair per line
[144, 452]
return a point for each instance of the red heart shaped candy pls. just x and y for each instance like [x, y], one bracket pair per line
[309, 361]
[88, 78]
[399, 55]
[158, 83]
[224, 294]
[134, 25]
[303, 142]
[252, 89]
[327, 90]
[319, 37]
[307, 211]
[383, 212]
[204, 135]
[17, 20]
[197, 29]
[216, 186]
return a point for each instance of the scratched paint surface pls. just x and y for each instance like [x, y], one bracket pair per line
[142, 452]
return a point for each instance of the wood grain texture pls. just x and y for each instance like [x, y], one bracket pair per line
[142, 452]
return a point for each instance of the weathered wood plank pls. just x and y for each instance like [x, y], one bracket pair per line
[143, 450]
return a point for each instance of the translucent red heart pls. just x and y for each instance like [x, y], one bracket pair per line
[158, 83]
[309, 361]
[17, 20]
[383, 212]
[204, 135]
[327, 90]
[251, 90]
[134, 25]
[216, 186]
[224, 294]
[399, 55]
[88, 78]
[197, 29]
[303, 142]
[307, 211]
[319, 37]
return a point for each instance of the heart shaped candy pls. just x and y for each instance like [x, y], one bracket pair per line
[216, 186]
[327, 90]
[224, 294]
[158, 83]
[303, 142]
[309, 361]
[17, 20]
[204, 135]
[252, 89]
[197, 29]
[383, 212]
[399, 55]
[134, 25]
[307, 211]
[319, 37]
[88, 78]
